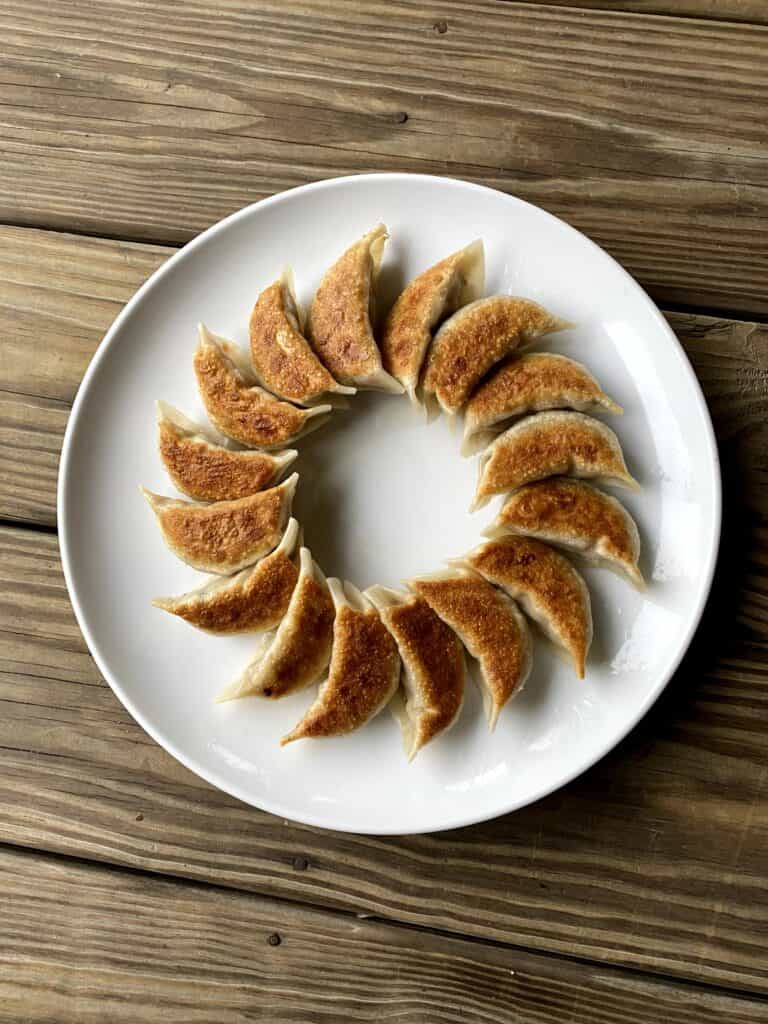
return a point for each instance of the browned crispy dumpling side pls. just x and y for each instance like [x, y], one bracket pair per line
[254, 600]
[433, 295]
[477, 337]
[551, 444]
[282, 358]
[340, 325]
[547, 586]
[240, 409]
[226, 536]
[363, 674]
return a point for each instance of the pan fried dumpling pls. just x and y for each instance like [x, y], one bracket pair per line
[476, 338]
[363, 674]
[433, 667]
[254, 600]
[574, 515]
[438, 292]
[490, 626]
[228, 535]
[551, 444]
[340, 325]
[530, 383]
[206, 470]
[282, 358]
[295, 655]
[239, 409]
[547, 586]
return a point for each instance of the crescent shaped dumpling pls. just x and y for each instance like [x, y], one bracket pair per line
[226, 536]
[490, 626]
[438, 292]
[254, 600]
[207, 471]
[477, 337]
[282, 358]
[551, 444]
[246, 413]
[340, 318]
[546, 585]
[530, 383]
[433, 666]
[297, 654]
[572, 514]
[363, 673]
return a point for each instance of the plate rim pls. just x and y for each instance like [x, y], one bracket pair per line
[210, 775]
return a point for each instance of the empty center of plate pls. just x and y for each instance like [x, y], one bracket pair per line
[383, 495]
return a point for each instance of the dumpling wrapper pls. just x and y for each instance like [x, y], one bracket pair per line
[477, 337]
[283, 360]
[340, 325]
[551, 444]
[206, 470]
[226, 536]
[574, 515]
[254, 600]
[238, 407]
[438, 292]
[433, 667]
[297, 654]
[490, 626]
[530, 383]
[549, 589]
[363, 674]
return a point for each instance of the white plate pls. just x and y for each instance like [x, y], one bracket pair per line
[382, 496]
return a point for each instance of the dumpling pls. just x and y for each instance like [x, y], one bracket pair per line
[363, 674]
[282, 358]
[490, 626]
[254, 600]
[551, 444]
[530, 383]
[438, 292]
[574, 515]
[206, 470]
[547, 586]
[228, 535]
[474, 339]
[295, 655]
[248, 414]
[341, 316]
[433, 667]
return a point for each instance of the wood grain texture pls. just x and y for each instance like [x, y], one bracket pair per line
[647, 133]
[751, 11]
[125, 947]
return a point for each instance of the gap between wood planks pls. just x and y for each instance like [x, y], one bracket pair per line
[751, 12]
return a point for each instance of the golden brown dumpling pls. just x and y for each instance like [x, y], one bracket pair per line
[363, 674]
[547, 586]
[206, 470]
[226, 536]
[254, 600]
[574, 515]
[530, 383]
[551, 444]
[282, 358]
[438, 292]
[239, 409]
[433, 667]
[476, 338]
[489, 625]
[340, 325]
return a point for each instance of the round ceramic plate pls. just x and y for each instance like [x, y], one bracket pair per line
[383, 496]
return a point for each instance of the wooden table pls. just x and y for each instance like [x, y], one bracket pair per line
[131, 890]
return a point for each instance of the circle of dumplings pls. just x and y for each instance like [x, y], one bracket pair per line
[529, 415]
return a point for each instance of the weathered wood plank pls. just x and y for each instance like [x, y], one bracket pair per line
[128, 947]
[751, 11]
[649, 134]
[654, 859]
